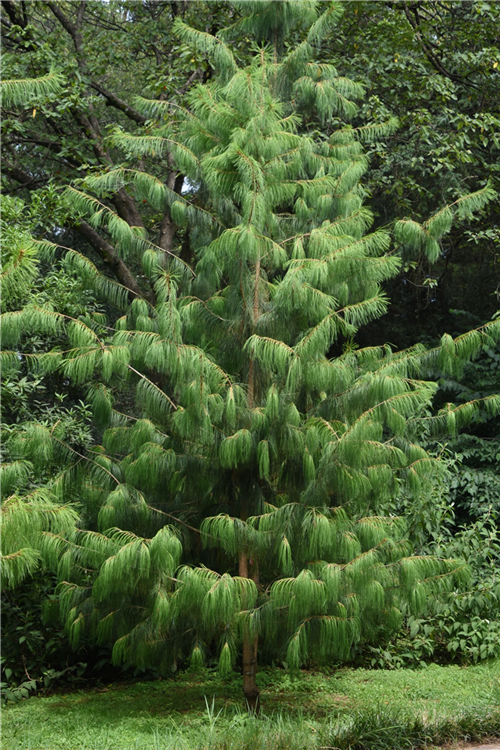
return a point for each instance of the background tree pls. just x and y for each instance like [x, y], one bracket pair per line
[62, 136]
[440, 77]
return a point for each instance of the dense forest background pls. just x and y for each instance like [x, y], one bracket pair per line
[104, 231]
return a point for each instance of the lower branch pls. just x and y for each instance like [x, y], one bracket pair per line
[108, 253]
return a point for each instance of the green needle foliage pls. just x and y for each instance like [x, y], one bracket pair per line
[29, 91]
[236, 510]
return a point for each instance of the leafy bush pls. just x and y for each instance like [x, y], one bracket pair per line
[37, 655]
[36, 652]
[464, 626]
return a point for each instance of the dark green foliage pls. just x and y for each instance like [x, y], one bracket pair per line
[464, 626]
[474, 484]
[440, 78]
[35, 652]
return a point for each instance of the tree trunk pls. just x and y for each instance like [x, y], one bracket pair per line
[249, 568]
[250, 689]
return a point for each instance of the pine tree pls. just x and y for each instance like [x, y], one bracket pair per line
[241, 507]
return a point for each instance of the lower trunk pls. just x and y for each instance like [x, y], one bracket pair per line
[250, 569]
[250, 688]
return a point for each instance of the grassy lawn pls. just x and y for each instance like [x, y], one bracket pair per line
[342, 709]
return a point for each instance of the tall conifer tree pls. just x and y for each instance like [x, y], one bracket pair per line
[241, 508]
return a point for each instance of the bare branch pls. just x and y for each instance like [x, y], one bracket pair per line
[115, 101]
[108, 253]
[431, 57]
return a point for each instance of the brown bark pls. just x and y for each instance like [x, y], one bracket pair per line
[113, 100]
[90, 127]
[168, 227]
[13, 16]
[73, 29]
[196, 74]
[249, 568]
[125, 205]
[25, 180]
[126, 208]
[250, 689]
[12, 9]
[108, 254]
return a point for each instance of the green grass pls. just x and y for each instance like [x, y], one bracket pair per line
[345, 709]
